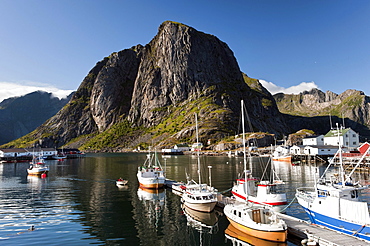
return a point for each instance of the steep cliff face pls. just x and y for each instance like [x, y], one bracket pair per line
[152, 92]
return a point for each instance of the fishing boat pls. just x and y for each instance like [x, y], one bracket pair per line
[256, 220]
[151, 175]
[37, 166]
[335, 201]
[266, 192]
[281, 153]
[121, 182]
[198, 196]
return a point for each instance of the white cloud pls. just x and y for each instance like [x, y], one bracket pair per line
[9, 89]
[296, 89]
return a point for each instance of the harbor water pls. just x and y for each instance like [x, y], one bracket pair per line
[78, 203]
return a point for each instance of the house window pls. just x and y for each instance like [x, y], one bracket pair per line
[354, 135]
[354, 143]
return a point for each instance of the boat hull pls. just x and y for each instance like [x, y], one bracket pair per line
[37, 172]
[239, 238]
[339, 225]
[283, 158]
[151, 185]
[201, 207]
[277, 201]
[278, 236]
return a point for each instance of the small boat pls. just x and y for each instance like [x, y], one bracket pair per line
[281, 153]
[121, 182]
[151, 175]
[256, 220]
[37, 166]
[335, 201]
[198, 196]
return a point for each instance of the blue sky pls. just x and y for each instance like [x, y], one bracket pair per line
[289, 45]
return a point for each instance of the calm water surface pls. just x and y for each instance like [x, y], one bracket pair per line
[79, 203]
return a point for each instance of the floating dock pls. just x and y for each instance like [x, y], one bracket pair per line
[311, 234]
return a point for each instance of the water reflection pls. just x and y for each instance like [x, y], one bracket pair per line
[79, 198]
[153, 201]
[201, 221]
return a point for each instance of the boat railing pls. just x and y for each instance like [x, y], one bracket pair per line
[306, 193]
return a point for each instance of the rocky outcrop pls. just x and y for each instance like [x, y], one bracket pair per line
[156, 89]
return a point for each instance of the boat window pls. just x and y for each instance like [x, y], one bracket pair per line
[354, 194]
[204, 197]
[198, 198]
[240, 214]
[234, 212]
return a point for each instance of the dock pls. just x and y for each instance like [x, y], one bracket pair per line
[309, 233]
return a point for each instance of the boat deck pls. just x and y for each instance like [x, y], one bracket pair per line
[299, 228]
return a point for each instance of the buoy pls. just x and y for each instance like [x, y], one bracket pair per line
[43, 175]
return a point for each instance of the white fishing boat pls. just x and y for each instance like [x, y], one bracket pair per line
[335, 201]
[281, 153]
[257, 220]
[37, 166]
[198, 196]
[151, 175]
[266, 193]
[121, 182]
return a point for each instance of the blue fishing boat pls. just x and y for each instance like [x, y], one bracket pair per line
[335, 202]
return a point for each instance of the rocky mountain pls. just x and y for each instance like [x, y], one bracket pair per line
[148, 95]
[21, 115]
[319, 111]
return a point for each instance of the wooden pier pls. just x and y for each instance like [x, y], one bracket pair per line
[310, 234]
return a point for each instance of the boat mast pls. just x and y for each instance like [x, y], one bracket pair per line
[340, 158]
[244, 151]
[196, 131]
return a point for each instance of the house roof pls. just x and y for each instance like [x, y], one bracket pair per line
[316, 136]
[334, 132]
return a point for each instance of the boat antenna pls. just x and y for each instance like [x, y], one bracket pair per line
[344, 126]
[196, 131]
[331, 125]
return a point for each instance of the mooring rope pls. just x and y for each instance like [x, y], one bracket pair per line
[288, 205]
[221, 192]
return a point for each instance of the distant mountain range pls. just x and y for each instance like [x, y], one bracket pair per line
[148, 95]
[321, 111]
[21, 115]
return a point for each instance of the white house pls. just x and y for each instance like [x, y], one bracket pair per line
[313, 140]
[296, 150]
[320, 150]
[345, 136]
[182, 147]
